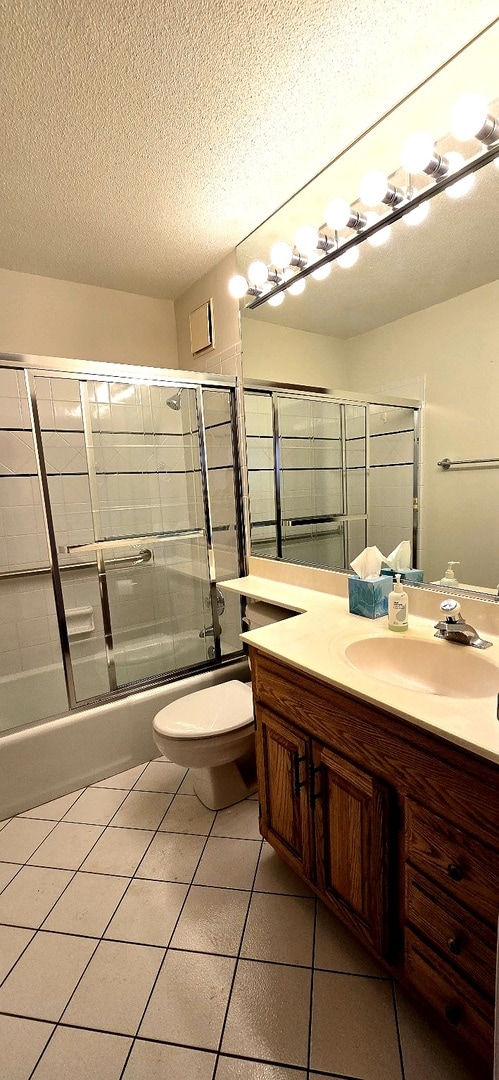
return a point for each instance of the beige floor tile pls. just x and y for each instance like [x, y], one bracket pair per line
[189, 1000]
[7, 872]
[238, 1069]
[353, 1027]
[45, 976]
[157, 1061]
[161, 776]
[187, 785]
[114, 989]
[336, 949]
[212, 920]
[55, 809]
[228, 863]
[21, 837]
[172, 857]
[67, 845]
[142, 810]
[239, 821]
[4, 822]
[424, 1052]
[87, 905]
[118, 851]
[82, 1055]
[187, 814]
[274, 876]
[21, 1043]
[124, 780]
[148, 912]
[13, 939]
[30, 896]
[261, 1022]
[96, 806]
[279, 928]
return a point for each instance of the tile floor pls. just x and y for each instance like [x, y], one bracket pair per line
[144, 937]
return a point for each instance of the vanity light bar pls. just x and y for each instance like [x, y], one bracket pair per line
[470, 119]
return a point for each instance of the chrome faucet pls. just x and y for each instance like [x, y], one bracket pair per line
[454, 628]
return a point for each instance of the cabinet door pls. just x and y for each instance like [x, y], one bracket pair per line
[283, 763]
[351, 823]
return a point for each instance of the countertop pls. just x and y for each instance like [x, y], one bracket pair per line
[314, 641]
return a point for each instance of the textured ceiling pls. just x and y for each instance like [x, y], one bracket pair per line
[142, 141]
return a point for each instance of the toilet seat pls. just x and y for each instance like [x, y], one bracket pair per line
[207, 713]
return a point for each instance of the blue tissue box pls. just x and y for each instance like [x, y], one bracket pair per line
[369, 598]
[405, 575]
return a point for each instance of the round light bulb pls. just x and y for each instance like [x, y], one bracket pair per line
[306, 239]
[277, 300]
[349, 258]
[380, 237]
[257, 273]
[281, 254]
[418, 215]
[322, 272]
[338, 212]
[461, 187]
[417, 152]
[373, 187]
[297, 287]
[238, 286]
[468, 116]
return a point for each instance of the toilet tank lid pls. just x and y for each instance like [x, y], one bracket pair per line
[224, 707]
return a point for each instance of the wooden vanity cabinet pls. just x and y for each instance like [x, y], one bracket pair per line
[396, 829]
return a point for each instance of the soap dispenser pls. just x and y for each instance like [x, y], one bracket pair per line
[449, 577]
[398, 605]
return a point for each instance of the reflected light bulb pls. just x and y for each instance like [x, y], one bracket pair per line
[297, 287]
[461, 187]
[322, 272]
[417, 152]
[418, 215]
[238, 286]
[373, 187]
[338, 213]
[380, 237]
[257, 273]
[276, 300]
[281, 254]
[306, 239]
[468, 116]
[349, 258]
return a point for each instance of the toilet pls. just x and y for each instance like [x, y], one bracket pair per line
[212, 732]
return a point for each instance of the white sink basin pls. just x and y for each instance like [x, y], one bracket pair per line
[429, 667]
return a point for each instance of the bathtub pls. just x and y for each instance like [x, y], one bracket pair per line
[54, 757]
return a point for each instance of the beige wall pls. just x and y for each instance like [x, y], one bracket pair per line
[281, 354]
[48, 317]
[454, 346]
[225, 318]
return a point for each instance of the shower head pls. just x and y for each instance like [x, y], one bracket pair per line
[174, 402]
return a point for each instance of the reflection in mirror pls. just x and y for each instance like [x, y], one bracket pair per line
[417, 319]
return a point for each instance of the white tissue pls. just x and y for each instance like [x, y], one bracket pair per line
[400, 558]
[367, 565]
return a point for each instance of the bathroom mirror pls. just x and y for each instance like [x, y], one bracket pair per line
[415, 319]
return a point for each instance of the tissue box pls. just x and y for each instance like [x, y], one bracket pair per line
[369, 598]
[405, 575]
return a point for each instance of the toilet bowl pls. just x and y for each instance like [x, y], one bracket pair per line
[212, 733]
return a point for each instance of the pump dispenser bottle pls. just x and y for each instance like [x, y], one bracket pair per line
[449, 577]
[398, 606]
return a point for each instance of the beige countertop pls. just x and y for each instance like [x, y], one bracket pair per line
[316, 639]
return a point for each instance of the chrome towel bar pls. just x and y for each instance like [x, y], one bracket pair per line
[446, 462]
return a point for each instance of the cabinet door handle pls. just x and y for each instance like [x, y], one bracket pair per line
[455, 872]
[453, 1014]
[314, 795]
[454, 944]
[297, 760]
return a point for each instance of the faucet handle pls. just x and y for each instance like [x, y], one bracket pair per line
[452, 610]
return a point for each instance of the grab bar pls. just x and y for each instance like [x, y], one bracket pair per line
[322, 519]
[127, 541]
[124, 563]
[446, 462]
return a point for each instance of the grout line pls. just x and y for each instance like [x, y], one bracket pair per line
[397, 1026]
[311, 1000]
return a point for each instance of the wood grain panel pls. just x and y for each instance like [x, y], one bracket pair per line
[282, 761]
